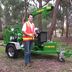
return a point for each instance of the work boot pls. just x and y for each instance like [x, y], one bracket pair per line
[28, 65]
[31, 62]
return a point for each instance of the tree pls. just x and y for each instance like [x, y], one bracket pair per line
[25, 13]
[0, 17]
[52, 27]
[66, 5]
[13, 10]
[40, 16]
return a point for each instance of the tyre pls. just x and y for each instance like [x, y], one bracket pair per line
[11, 51]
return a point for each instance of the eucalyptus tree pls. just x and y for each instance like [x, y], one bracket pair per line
[0, 17]
[66, 5]
[13, 9]
[53, 25]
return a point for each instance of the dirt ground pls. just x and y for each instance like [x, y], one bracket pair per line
[40, 64]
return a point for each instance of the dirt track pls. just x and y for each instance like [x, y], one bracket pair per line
[41, 64]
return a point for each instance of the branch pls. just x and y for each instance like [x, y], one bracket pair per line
[45, 4]
[34, 2]
[47, 0]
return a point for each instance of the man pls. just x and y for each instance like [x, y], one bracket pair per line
[28, 37]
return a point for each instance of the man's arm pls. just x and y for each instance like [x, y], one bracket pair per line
[35, 34]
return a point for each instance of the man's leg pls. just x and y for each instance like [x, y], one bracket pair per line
[30, 46]
[26, 52]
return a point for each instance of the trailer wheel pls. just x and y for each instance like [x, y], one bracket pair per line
[11, 51]
[61, 57]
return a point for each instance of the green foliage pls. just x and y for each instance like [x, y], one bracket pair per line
[13, 10]
[7, 31]
[6, 34]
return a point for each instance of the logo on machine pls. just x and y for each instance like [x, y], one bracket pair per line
[50, 46]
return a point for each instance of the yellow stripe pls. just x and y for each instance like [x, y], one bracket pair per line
[28, 39]
[40, 10]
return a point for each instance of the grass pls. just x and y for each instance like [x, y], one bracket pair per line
[64, 46]
[2, 50]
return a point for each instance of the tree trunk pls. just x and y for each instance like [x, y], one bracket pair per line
[1, 36]
[0, 26]
[67, 18]
[40, 16]
[25, 14]
[62, 27]
[67, 25]
[52, 27]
